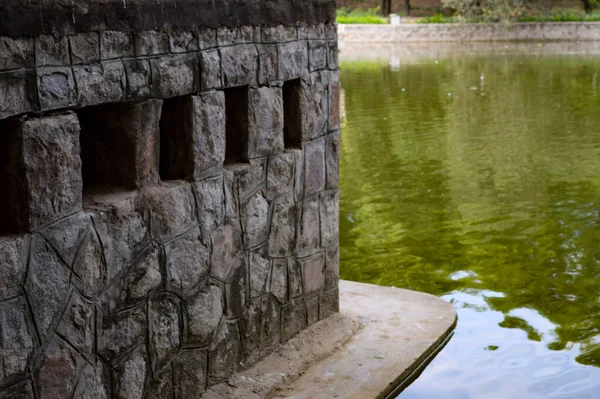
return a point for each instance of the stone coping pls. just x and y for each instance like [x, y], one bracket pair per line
[382, 339]
[527, 31]
[20, 18]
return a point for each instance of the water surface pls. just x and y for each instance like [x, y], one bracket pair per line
[475, 176]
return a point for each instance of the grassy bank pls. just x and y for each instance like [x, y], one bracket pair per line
[358, 16]
[555, 15]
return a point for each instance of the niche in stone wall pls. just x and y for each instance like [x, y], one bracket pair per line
[7, 189]
[119, 146]
[236, 124]
[176, 157]
[291, 114]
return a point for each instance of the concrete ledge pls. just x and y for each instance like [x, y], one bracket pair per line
[533, 31]
[376, 346]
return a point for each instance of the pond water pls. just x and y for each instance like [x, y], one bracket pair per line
[473, 173]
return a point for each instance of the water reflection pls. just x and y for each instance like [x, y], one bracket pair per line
[476, 176]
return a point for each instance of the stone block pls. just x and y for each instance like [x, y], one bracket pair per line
[51, 51]
[121, 332]
[265, 122]
[100, 83]
[280, 175]
[189, 373]
[210, 200]
[13, 259]
[232, 198]
[78, 324]
[123, 232]
[250, 34]
[183, 41]
[228, 36]
[85, 48]
[314, 166]
[267, 63]
[259, 269]
[91, 383]
[294, 278]
[314, 107]
[298, 174]
[248, 177]
[312, 311]
[279, 280]
[161, 385]
[332, 267]
[89, 264]
[120, 144]
[254, 214]
[20, 390]
[175, 75]
[309, 235]
[311, 32]
[151, 42]
[331, 31]
[239, 65]
[236, 291]
[187, 261]
[293, 60]
[67, 235]
[224, 352]
[207, 38]
[56, 87]
[329, 216]
[204, 312]
[226, 250]
[58, 373]
[278, 34]
[250, 326]
[46, 170]
[116, 45]
[16, 53]
[136, 282]
[283, 227]
[210, 68]
[172, 206]
[46, 286]
[332, 156]
[333, 55]
[19, 93]
[130, 378]
[270, 325]
[334, 101]
[317, 55]
[313, 273]
[329, 303]
[139, 82]
[293, 319]
[16, 343]
[164, 329]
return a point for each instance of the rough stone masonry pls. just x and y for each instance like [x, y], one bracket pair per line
[168, 190]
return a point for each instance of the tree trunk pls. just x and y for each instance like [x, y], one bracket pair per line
[386, 7]
[407, 7]
[587, 6]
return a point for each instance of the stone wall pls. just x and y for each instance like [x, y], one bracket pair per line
[168, 201]
[523, 31]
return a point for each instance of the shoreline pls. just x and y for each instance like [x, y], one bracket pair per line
[522, 31]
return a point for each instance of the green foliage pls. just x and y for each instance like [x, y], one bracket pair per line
[358, 16]
[487, 10]
[437, 19]
[562, 15]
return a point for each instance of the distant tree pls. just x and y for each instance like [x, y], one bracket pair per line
[589, 5]
[386, 7]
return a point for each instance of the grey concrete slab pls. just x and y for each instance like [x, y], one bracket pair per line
[401, 332]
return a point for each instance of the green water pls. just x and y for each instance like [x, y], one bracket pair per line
[476, 177]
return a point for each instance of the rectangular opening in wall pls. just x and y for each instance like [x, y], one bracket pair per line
[8, 190]
[176, 135]
[291, 114]
[236, 124]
